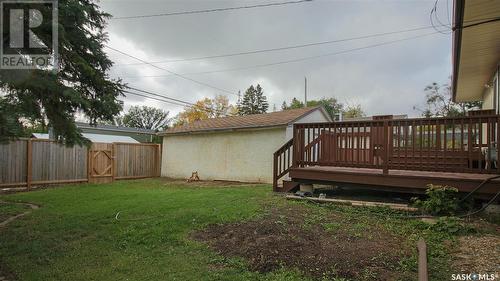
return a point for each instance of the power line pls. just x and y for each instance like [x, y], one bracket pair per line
[298, 59]
[184, 103]
[171, 72]
[161, 96]
[288, 47]
[153, 98]
[168, 100]
[211, 10]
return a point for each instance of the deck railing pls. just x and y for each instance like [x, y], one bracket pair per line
[459, 144]
[282, 162]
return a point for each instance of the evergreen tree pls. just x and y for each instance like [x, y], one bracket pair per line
[261, 100]
[81, 85]
[254, 101]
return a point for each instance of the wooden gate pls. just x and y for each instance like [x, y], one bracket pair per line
[101, 163]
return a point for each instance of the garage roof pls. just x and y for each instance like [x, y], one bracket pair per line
[95, 138]
[273, 119]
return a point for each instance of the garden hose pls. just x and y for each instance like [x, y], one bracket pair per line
[479, 187]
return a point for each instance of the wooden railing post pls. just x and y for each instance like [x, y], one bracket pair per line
[386, 147]
[498, 145]
[29, 164]
[295, 152]
[275, 172]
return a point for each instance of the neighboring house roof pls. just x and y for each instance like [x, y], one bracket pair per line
[369, 118]
[95, 138]
[273, 119]
[476, 47]
[112, 128]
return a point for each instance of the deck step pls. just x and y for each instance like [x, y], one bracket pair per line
[288, 186]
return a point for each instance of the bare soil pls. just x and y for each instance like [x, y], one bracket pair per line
[478, 254]
[319, 246]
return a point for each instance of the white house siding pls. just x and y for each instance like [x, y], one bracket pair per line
[245, 155]
[313, 117]
[491, 98]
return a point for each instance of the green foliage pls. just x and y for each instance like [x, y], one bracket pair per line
[254, 101]
[331, 105]
[439, 102]
[145, 117]
[82, 84]
[441, 200]
[354, 111]
[452, 226]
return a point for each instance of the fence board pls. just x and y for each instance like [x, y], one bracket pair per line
[52, 162]
[136, 160]
[13, 162]
[55, 162]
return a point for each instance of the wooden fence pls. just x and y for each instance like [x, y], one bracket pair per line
[29, 162]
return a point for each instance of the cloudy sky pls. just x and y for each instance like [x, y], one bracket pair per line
[387, 79]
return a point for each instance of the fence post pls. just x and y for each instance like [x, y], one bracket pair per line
[113, 161]
[89, 165]
[158, 162]
[29, 163]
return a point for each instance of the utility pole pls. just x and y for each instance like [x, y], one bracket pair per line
[305, 91]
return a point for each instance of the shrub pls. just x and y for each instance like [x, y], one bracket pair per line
[452, 226]
[441, 200]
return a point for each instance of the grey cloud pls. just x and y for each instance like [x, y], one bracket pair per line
[386, 79]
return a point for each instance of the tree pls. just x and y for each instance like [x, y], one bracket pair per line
[81, 85]
[254, 101]
[354, 111]
[439, 102]
[206, 108]
[145, 117]
[331, 105]
[295, 103]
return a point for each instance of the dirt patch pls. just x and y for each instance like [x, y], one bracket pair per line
[11, 214]
[319, 246]
[478, 254]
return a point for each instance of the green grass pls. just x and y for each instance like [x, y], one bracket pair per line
[75, 236]
[9, 210]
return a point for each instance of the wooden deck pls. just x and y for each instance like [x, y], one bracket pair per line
[394, 180]
[404, 154]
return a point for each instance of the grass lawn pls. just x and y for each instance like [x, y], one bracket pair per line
[75, 234]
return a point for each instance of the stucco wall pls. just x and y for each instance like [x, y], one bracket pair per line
[238, 155]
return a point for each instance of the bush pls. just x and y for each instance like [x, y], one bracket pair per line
[441, 200]
[452, 226]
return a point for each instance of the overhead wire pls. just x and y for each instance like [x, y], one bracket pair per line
[211, 10]
[298, 46]
[294, 60]
[171, 72]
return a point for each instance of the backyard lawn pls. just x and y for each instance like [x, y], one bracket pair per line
[162, 230]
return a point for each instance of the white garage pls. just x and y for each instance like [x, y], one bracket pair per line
[236, 148]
